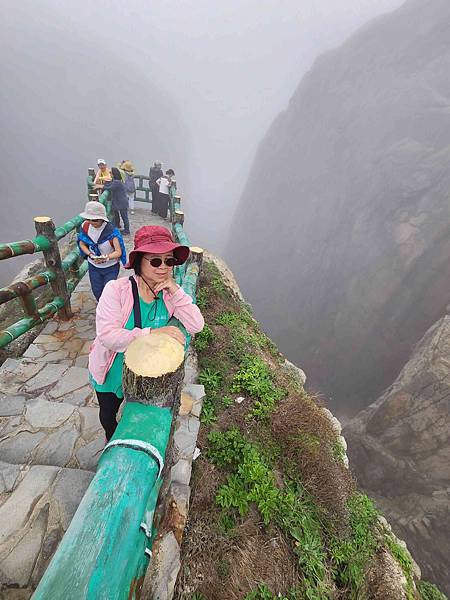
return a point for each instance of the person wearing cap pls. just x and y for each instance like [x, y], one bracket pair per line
[103, 174]
[101, 243]
[154, 174]
[130, 187]
[117, 322]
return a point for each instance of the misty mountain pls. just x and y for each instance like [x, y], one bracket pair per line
[342, 236]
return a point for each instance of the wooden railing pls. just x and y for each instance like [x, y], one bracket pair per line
[106, 550]
[64, 274]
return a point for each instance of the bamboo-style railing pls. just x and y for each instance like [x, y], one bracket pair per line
[106, 550]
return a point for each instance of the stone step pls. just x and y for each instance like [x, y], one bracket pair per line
[36, 506]
[39, 432]
[54, 382]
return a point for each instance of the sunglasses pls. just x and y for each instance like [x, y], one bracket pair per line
[170, 261]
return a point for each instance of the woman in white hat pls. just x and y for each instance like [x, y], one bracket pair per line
[102, 244]
[103, 174]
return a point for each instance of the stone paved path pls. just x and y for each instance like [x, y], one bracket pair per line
[51, 439]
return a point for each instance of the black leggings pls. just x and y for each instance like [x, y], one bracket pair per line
[109, 405]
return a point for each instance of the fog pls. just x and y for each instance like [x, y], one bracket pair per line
[194, 84]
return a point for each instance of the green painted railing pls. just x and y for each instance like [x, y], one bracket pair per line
[62, 275]
[106, 550]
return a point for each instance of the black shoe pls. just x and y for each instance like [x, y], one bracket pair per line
[123, 232]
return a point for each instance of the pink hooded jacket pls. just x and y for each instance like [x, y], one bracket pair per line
[113, 311]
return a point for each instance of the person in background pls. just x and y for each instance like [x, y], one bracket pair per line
[172, 181]
[103, 174]
[119, 200]
[164, 197]
[101, 243]
[151, 289]
[130, 187]
[155, 173]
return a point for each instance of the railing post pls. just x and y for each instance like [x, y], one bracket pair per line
[178, 217]
[196, 256]
[46, 227]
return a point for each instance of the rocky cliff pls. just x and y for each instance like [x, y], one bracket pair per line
[347, 207]
[400, 449]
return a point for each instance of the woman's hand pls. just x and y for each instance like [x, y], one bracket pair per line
[174, 333]
[168, 284]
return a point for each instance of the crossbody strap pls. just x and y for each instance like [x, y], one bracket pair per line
[136, 303]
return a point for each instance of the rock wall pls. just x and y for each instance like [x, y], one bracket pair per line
[399, 449]
[342, 236]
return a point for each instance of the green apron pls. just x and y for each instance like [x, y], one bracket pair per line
[151, 316]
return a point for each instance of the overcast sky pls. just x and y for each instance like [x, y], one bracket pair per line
[206, 75]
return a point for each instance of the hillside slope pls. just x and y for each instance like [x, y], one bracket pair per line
[274, 511]
[347, 207]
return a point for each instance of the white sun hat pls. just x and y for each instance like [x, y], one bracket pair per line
[101, 161]
[94, 210]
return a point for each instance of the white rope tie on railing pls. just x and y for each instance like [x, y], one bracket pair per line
[141, 446]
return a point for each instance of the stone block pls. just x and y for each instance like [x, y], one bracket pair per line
[42, 413]
[195, 390]
[18, 448]
[17, 567]
[9, 424]
[57, 447]
[181, 472]
[90, 423]
[8, 476]
[51, 327]
[89, 454]
[11, 405]
[55, 357]
[33, 518]
[185, 437]
[50, 346]
[14, 512]
[81, 397]
[33, 351]
[14, 373]
[159, 583]
[68, 490]
[82, 361]
[74, 378]
[49, 375]
[186, 403]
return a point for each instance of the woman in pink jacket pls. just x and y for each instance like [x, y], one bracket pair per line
[134, 306]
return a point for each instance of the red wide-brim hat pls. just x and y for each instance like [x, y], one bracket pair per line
[153, 239]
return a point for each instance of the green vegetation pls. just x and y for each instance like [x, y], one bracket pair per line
[202, 298]
[403, 557]
[204, 338]
[263, 593]
[210, 379]
[428, 591]
[351, 553]
[254, 378]
[252, 480]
